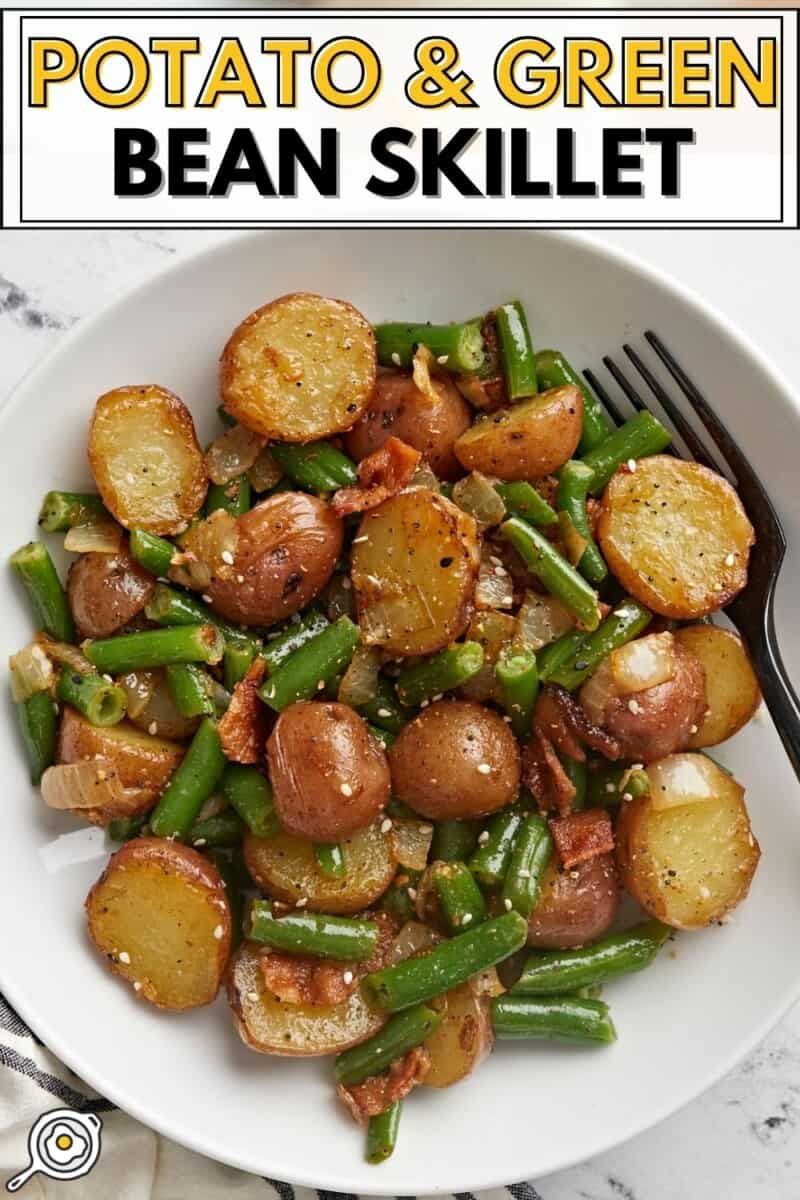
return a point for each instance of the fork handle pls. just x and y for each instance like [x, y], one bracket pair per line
[779, 695]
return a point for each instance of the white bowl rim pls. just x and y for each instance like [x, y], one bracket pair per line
[114, 1091]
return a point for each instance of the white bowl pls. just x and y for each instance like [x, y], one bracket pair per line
[531, 1109]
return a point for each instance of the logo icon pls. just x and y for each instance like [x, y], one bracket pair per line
[63, 1144]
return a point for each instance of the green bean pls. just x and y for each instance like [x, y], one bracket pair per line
[522, 500]
[532, 851]
[576, 773]
[558, 576]
[312, 666]
[153, 553]
[453, 841]
[396, 900]
[330, 860]
[385, 710]
[291, 637]
[191, 784]
[101, 702]
[447, 669]
[37, 721]
[574, 481]
[382, 735]
[605, 787]
[230, 868]
[125, 829]
[236, 662]
[625, 622]
[399, 1035]
[345, 938]
[562, 1018]
[382, 1134]
[638, 437]
[457, 348]
[317, 466]
[557, 972]
[519, 362]
[156, 648]
[459, 896]
[447, 965]
[401, 810]
[64, 510]
[489, 863]
[518, 677]
[225, 830]
[553, 656]
[189, 687]
[553, 370]
[35, 568]
[171, 607]
[250, 794]
[233, 497]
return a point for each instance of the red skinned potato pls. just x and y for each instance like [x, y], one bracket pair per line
[398, 408]
[576, 906]
[142, 762]
[329, 776]
[286, 550]
[527, 440]
[106, 591]
[456, 759]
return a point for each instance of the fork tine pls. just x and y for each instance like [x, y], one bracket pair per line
[600, 391]
[624, 383]
[696, 447]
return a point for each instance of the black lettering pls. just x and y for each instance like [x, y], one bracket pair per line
[136, 150]
[440, 160]
[180, 161]
[566, 183]
[323, 173]
[670, 141]
[405, 179]
[615, 162]
[494, 162]
[521, 184]
[252, 170]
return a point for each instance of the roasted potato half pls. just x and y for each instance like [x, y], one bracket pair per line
[151, 707]
[145, 459]
[159, 916]
[106, 591]
[528, 440]
[269, 1026]
[676, 536]
[463, 1039]
[686, 852]
[414, 566]
[142, 762]
[286, 869]
[300, 368]
[575, 907]
[732, 691]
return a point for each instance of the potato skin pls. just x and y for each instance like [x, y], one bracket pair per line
[328, 775]
[732, 691]
[398, 408]
[435, 761]
[577, 906]
[142, 762]
[106, 591]
[299, 368]
[463, 1039]
[288, 547]
[145, 458]
[527, 440]
[156, 878]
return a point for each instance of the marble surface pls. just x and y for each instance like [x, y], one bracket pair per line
[741, 1140]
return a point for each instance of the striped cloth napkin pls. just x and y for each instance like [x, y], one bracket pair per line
[135, 1163]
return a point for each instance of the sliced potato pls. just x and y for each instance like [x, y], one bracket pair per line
[688, 864]
[575, 907]
[271, 1027]
[676, 536]
[151, 707]
[528, 440]
[159, 916]
[144, 455]
[142, 762]
[286, 869]
[300, 368]
[415, 562]
[462, 1040]
[732, 691]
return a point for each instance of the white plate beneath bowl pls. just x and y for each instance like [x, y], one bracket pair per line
[531, 1109]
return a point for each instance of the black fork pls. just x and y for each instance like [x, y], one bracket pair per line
[752, 611]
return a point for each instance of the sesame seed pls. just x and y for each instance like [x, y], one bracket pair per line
[483, 837]
[345, 789]
[207, 598]
[631, 464]
[438, 696]
[227, 557]
[426, 829]
[637, 766]
[442, 359]
[524, 873]
[425, 704]
[626, 796]
[412, 893]
[633, 706]
[152, 728]
[507, 719]
[218, 932]
[500, 572]
[395, 358]
[507, 905]
[200, 842]
[346, 584]
[252, 997]
[302, 902]
[363, 538]
[137, 987]
[240, 578]
[704, 891]
[484, 769]
[467, 917]
[610, 787]
[386, 825]
[124, 957]
[384, 712]
[730, 559]
[320, 684]
[348, 977]
[693, 729]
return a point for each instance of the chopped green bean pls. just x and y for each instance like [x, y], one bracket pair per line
[522, 500]
[64, 510]
[459, 896]
[519, 362]
[562, 1018]
[489, 863]
[454, 841]
[610, 785]
[576, 773]
[191, 784]
[574, 481]
[156, 648]
[190, 688]
[518, 677]
[320, 934]
[225, 830]
[37, 721]
[625, 622]
[291, 637]
[308, 669]
[124, 829]
[230, 868]
[382, 735]
[101, 702]
[35, 568]
[396, 899]
[553, 656]
[553, 370]
[250, 794]
[457, 348]
[153, 553]
[558, 576]
[447, 669]
[236, 662]
[317, 466]
[385, 710]
[382, 1134]
[533, 848]
[330, 860]
[233, 497]
[557, 972]
[399, 1035]
[640, 436]
[170, 607]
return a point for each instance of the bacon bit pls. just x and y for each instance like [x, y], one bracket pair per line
[544, 776]
[381, 474]
[563, 720]
[241, 729]
[549, 717]
[378, 1093]
[582, 835]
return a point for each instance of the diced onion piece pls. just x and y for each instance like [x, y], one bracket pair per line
[138, 687]
[495, 587]
[207, 550]
[102, 537]
[31, 672]
[541, 620]
[487, 983]
[574, 543]
[424, 477]
[213, 806]
[360, 681]
[65, 654]
[474, 494]
[264, 472]
[90, 783]
[598, 692]
[683, 779]
[411, 843]
[422, 367]
[473, 389]
[414, 938]
[493, 631]
[338, 598]
[643, 663]
[233, 453]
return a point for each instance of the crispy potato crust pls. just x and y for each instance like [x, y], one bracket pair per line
[142, 762]
[462, 1040]
[527, 440]
[732, 691]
